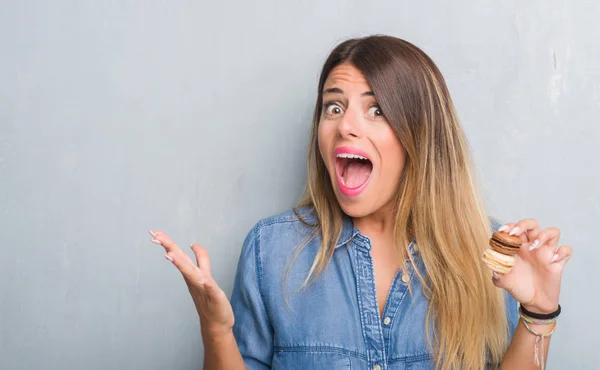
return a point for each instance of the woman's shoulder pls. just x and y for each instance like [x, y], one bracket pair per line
[305, 216]
[283, 231]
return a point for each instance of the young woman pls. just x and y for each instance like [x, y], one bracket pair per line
[380, 266]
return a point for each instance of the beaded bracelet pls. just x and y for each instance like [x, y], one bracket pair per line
[529, 320]
[538, 348]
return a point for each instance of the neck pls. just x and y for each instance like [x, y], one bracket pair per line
[379, 224]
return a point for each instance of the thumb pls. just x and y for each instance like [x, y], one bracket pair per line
[208, 284]
[202, 258]
[506, 282]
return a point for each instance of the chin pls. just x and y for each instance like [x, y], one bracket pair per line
[356, 208]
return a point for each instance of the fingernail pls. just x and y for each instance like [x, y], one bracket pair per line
[514, 231]
[534, 245]
[503, 228]
[155, 241]
[495, 275]
[152, 233]
[554, 258]
[168, 257]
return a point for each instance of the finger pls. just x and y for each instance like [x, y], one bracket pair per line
[164, 240]
[511, 228]
[562, 255]
[188, 269]
[178, 257]
[525, 227]
[202, 257]
[547, 237]
[506, 227]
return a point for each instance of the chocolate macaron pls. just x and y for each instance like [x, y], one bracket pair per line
[505, 243]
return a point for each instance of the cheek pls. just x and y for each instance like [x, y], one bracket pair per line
[393, 155]
[324, 140]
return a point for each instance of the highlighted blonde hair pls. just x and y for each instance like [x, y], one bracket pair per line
[437, 203]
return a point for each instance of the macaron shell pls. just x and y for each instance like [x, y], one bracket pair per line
[500, 248]
[498, 262]
[497, 268]
[507, 239]
[504, 259]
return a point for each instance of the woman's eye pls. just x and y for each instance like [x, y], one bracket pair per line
[375, 111]
[333, 109]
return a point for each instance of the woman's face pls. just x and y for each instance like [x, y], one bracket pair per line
[362, 153]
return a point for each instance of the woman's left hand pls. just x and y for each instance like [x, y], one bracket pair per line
[534, 281]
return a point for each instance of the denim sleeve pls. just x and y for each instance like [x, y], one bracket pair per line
[512, 314]
[252, 329]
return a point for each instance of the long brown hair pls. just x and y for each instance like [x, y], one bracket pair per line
[437, 202]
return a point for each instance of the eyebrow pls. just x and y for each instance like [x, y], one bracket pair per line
[336, 90]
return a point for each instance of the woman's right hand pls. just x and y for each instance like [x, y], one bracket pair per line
[214, 309]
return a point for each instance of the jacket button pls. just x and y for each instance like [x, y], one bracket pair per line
[387, 321]
[376, 367]
[405, 278]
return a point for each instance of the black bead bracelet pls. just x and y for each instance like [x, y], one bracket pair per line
[541, 316]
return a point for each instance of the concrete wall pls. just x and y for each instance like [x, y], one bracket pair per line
[192, 117]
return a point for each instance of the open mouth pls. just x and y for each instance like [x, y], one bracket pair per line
[353, 171]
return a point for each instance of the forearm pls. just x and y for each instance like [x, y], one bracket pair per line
[520, 354]
[221, 351]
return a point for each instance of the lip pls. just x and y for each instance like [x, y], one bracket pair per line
[349, 192]
[350, 150]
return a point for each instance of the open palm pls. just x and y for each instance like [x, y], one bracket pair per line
[211, 302]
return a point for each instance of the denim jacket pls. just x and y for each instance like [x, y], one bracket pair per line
[335, 322]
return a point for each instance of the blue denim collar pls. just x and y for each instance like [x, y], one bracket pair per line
[349, 231]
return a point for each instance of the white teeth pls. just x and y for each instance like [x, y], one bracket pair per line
[347, 155]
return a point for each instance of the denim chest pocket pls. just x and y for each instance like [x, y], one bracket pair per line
[420, 365]
[423, 361]
[309, 359]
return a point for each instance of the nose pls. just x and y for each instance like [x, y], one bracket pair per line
[349, 125]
